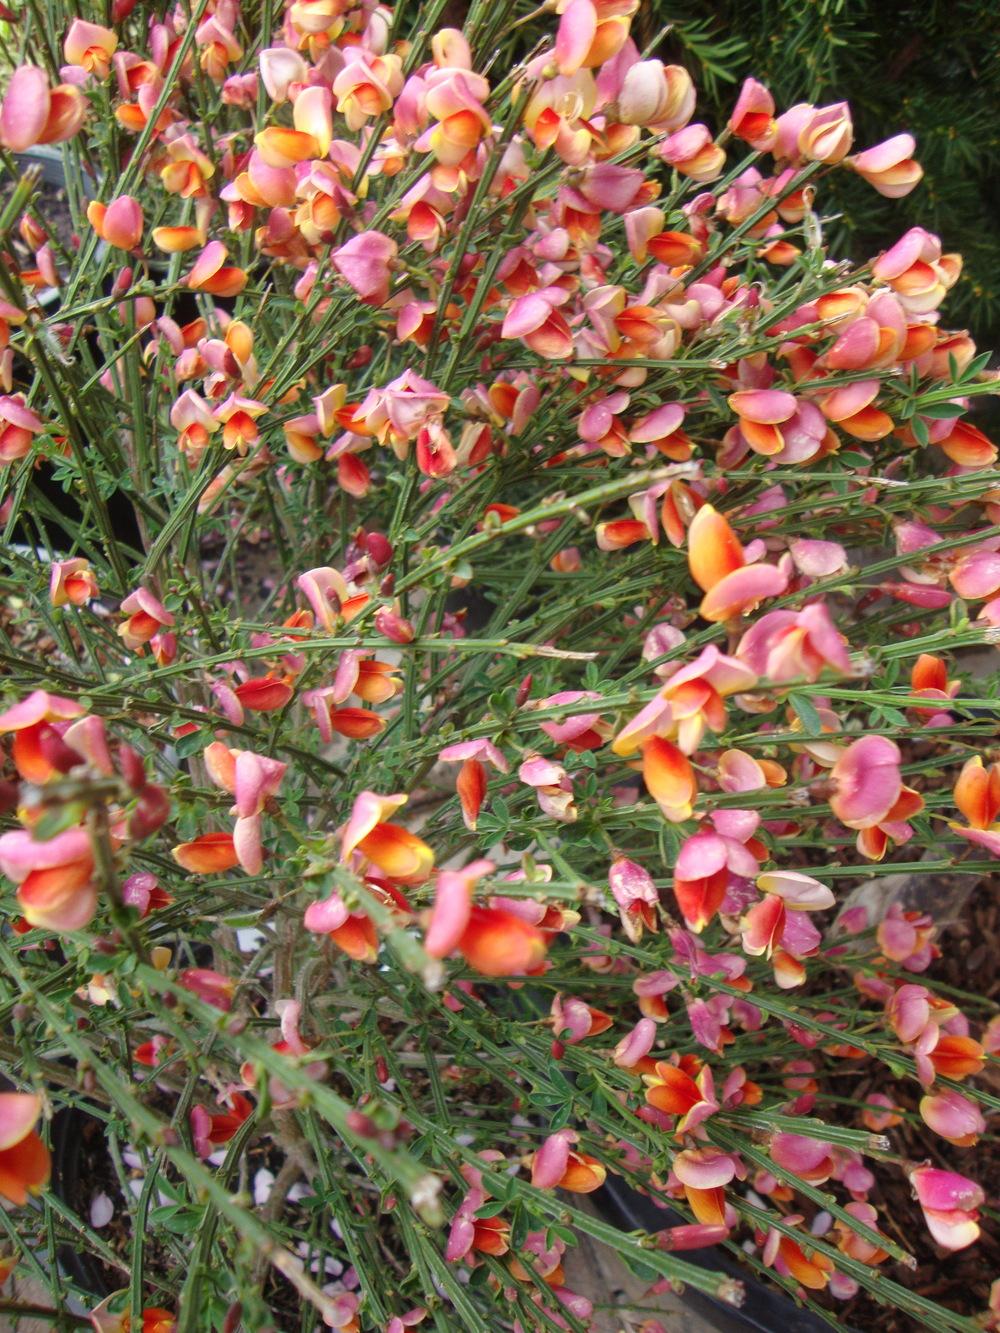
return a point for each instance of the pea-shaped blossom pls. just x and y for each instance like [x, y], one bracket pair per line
[866, 781]
[24, 1158]
[732, 585]
[950, 1204]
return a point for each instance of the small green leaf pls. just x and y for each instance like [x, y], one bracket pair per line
[57, 820]
[942, 411]
[805, 711]
[492, 1209]
[193, 743]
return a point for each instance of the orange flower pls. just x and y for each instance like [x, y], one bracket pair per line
[31, 722]
[957, 1057]
[671, 1090]
[24, 1158]
[669, 779]
[719, 566]
[265, 694]
[401, 855]
[808, 1267]
[977, 793]
[492, 1235]
[499, 944]
[211, 854]
[211, 274]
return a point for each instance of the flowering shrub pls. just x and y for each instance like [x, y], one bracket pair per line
[482, 583]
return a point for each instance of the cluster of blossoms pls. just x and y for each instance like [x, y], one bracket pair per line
[420, 325]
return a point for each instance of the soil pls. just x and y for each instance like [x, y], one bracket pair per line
[87, 1171]
[970, 962]
[51, 209]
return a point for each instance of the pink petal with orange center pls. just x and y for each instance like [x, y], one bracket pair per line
[669, 778]
[976, 575]
[704, 1168]
[453, 907]
[575, 36]
[812, 1159]
[867, 781]
[714, 550]
[767, 407]
[945, 1190]
[884, 155]
[326, 915]
[742, 591]
[19, 1112]
[25, 108]
[953, 1116]
[658, 424]
[548, 1165]
[849, 400]
[856, 348]
[39, 706]
[915, 244]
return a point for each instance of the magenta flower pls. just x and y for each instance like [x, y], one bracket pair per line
[949, 1202]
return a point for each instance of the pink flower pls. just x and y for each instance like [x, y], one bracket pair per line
[690, 700]
[33, 113]
[364, 263]
[704, 1168]
[694, 153]
[119, 223]
[827, 134]
[280, 68]
[785, 645]
[908, 1011]
[656, 95]
[976, 575]
[399, 411]
[535, 319]
[949, 1202]
[18, 427]
[752, 118]
[550, 1161]
[636, 895]
[326, 590]
[146, 616]
[809, 1159]
[73, 582]
[867, 782]
[955, 1117]
[709, 862]
[54, 878]
[889, 166]
[575, 35]
[635, 1045]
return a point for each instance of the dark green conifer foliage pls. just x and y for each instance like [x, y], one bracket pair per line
[932, 68]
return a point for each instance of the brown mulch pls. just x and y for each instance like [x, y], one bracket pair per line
[960, 1281]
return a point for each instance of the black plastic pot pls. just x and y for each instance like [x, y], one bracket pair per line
[69, 1127]
[49, 162]
[50, 165]
[766, 1309]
